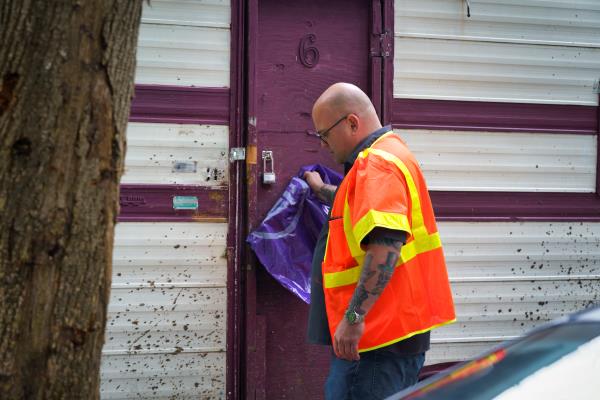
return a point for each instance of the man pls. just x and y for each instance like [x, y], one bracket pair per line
[379, 280]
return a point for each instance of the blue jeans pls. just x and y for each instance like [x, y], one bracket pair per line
[377, 375]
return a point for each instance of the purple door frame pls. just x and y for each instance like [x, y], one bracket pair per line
[236, 225]
[254, 351]
[253, 337]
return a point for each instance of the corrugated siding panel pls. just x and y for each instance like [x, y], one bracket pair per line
[503, 72]
[167, 322]
[164, 376]
[166, 326]
[433, 61]
[164, 318]
[207, 13]
[176, 154]
[498, 161]
[566, 23]
[183, 55]
[508, 278]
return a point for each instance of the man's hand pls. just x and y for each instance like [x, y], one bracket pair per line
[346, 338]
[314, 180]
[325, 192]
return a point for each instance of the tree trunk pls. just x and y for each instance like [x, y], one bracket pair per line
[66, 81]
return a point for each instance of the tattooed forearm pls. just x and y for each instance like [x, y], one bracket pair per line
[374, 279]
[385, 273]
[327, 193]
[360, 293]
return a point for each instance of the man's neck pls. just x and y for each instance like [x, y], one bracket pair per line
[363, 144]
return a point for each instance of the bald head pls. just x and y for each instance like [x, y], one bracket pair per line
[344, 100]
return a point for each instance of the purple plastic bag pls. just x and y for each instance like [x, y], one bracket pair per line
[284, 242]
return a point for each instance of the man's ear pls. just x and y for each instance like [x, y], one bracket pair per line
[354, 122]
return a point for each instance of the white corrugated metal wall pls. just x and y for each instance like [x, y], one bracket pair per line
[185, 42]
[152, 149]
[167, 321]
[507, 277]
[530, 51]
[505, 161]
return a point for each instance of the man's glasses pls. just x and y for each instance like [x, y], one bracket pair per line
[323, 134]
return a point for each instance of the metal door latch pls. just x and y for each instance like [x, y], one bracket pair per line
[237, 154]
[268, 174]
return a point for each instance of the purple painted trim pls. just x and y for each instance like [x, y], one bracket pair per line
[255, 352]
[376, 72]
[146, 203]
[515, 206]
[598, 159]
[388, 65]
[598, 147]
[180, 104]
[488, 116]
[235, 230]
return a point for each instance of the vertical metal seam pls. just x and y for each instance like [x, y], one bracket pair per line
[234, 363]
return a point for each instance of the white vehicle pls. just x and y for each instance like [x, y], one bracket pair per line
[557, 361]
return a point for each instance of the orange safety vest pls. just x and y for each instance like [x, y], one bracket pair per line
[385, 188]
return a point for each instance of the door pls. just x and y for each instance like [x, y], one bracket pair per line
[296, 50]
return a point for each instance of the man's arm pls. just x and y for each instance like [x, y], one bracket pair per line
[324, 191]
[383, 251]
[327, 193]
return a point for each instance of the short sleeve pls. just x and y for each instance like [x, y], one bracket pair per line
[378, 198]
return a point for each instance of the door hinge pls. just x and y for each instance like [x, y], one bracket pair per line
[237, 154]
[382, 44]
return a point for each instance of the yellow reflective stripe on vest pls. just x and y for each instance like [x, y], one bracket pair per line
[417, 215]
[381, 219]
[353, 244]
[407, 253]
[414, 248]
[422, 242]
[342, 278]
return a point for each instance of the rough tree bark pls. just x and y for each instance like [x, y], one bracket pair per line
[66, 81]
